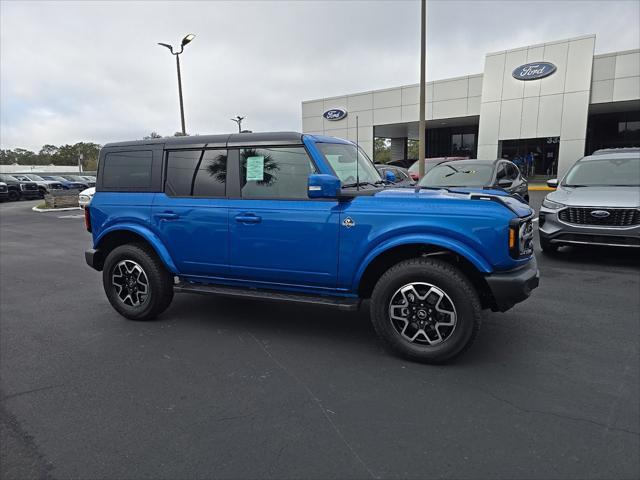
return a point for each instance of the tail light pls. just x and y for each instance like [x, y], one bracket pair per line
[87, 218]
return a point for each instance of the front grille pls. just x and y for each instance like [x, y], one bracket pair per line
[30, 186]
[3, 188]
[617, 217]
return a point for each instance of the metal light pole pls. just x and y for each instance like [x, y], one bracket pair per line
[185, 40]
[238, 120]
[423, 62]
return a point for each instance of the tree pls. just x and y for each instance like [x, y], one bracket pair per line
[381, 150]
[152, 135]
[412, 149]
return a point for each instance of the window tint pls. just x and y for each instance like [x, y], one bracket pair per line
[128, 170]
[502, 171]
[512, 171]
[196, 173]
[275, 172]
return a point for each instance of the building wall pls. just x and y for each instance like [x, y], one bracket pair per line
[451, 98]
[554, 106]
[616, 77]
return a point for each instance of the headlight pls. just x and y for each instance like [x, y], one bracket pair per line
[520, 237]
[551, 204]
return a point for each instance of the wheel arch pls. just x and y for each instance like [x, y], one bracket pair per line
[380, 260]
[122, 235]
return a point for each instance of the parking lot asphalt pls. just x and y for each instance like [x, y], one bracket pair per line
[241, 389]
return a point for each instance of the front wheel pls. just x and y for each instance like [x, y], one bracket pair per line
[13, 196]
[426, 310]
[136, 283]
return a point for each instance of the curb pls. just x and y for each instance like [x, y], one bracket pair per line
[540, 188]
[45, 210]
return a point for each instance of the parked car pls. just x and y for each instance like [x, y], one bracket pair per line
[429, 163]
[66, 183]
[18, 189]
[79, 179]
[401, 175]
[85, 196]
[404, 163]
[596, 203]
[494, 174]
[282, 216]
[4, 192]
[44, 186]
[90, 179]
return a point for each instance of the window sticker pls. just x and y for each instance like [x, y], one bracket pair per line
[255, 169]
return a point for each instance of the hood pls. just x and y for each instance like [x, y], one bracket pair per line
[521, 209]
[88, 191]
[625, 197]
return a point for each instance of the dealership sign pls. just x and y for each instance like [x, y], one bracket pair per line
[335, 114]
[534, 71]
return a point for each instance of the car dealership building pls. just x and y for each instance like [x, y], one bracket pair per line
[556, 100]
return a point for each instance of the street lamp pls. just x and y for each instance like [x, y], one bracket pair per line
[185, 40]
[238, 120]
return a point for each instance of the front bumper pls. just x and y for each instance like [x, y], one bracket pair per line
[513, 286]
[557, 232]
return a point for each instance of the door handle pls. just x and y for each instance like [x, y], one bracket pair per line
[248, 218]
[166, 216]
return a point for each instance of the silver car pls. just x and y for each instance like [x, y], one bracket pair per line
[596, 203]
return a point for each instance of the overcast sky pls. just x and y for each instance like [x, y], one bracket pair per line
[91, 71]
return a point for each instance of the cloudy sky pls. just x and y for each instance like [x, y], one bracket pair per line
[91, 71]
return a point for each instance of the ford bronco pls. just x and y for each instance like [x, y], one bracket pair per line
[305, 218]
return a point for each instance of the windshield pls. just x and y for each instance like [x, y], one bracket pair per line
[56, 178]
[615, 172]
[10, 178]
[458, 175]
[342, 158]
[35, 178]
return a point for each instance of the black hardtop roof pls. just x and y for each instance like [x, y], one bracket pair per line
[231, 140]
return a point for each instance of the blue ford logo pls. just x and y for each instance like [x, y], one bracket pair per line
[335, 114]
[600, 213]
[534, 71]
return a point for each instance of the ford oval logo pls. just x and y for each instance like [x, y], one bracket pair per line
[335, 114]
[600, 213]
[534, 71]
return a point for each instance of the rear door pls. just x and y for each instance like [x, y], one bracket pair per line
[190, 216]
[277, 234]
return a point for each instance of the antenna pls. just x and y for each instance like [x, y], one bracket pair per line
[357, 158]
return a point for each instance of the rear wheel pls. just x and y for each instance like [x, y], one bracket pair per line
[425, 310]
[136, 282]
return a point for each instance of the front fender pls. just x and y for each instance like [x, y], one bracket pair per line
[145, 233]
[476, 259]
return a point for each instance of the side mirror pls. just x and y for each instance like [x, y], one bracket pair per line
[505, 183]
[320, 185]
[553, 183]
[390, 177]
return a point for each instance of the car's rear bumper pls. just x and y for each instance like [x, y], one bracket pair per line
[513, 286]
[94, 259]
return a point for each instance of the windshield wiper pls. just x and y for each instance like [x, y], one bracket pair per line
[457, 171]
[358, 184]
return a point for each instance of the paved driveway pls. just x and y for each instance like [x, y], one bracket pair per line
[226, 388]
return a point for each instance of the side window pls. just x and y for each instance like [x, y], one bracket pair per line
[512, 171]
[279, 172]
[127, 170]
[197, 173]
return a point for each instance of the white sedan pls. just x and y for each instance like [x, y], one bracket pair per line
[85, 196]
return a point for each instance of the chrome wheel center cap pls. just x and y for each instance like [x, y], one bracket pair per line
[422, 314]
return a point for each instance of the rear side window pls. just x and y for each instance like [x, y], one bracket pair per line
[275, 172]
[127, 170]
[196, 173]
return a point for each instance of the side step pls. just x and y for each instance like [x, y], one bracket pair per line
[342, 303]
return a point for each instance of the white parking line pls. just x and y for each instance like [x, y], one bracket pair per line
[71, 216]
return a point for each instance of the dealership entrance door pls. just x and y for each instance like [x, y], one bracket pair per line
[544, 150]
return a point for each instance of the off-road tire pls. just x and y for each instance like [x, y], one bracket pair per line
[160, 284]
[446, 278]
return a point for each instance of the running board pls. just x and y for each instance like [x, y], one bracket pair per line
[342, 303]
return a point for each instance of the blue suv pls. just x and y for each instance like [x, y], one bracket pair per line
[308, 219]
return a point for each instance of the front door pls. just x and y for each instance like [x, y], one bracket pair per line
[191, 215]
[277, 234]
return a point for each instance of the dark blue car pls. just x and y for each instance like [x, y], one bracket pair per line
[66, 183]
[303, 218]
